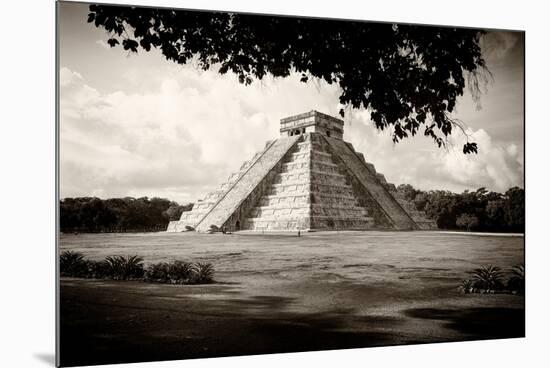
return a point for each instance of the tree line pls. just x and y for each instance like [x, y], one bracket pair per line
[91, 214]
[479, 210]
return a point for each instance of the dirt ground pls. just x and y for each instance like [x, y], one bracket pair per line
[280, 293]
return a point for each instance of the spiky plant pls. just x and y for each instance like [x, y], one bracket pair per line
[516, 283]
[487, 278]
[125, 268]
[98, 269]
[72, 264]
[157, 272]
[202, 273]
[466, 286]
[180, 272]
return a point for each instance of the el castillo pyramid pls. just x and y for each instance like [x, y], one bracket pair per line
[308, 179]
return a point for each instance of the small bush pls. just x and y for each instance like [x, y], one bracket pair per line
[98, 270]
[466, 286]
[125, 268]
[179, 272]
[487, 278]
[157, 272]
[176, 272]
[516, 283]
[202, 273]
[72, 264]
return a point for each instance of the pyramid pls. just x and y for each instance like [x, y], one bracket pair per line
[308, 179]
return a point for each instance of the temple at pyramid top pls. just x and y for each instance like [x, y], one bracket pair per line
[308, 179]
[313, 121]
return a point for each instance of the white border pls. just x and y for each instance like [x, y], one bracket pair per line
[27, 152]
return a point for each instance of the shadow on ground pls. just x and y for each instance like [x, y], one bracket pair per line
[480, 323]
[115, 322]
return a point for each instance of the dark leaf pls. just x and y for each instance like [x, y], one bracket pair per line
[129, 44]
[112, 42]
[469, 148]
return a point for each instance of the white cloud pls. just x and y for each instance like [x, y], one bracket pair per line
[419, 162]
[181, 138]
[103, 44]
[185, 131]
[67, 77]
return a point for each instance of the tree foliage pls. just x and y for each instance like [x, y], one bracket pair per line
[480, 210]
[91, 214]
[467, 221]
[408, 76]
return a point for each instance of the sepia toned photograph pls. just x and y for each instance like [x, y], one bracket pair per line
[239, 184]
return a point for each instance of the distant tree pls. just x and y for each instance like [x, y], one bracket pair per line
[495, 212]
[408, 76]
[420, 201]
[441, 207]
[90, 214]
[175, 210]
[467, 221]
[407, 191]
[515, 208]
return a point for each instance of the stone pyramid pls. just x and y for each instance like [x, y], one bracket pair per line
[309, 179]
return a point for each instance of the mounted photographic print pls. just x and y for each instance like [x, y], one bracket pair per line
[237, 184]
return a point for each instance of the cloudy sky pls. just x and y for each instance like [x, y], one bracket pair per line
[138, 125]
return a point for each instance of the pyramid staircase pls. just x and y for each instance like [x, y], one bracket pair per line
[235, 195]
[308, 179]
[311, 191]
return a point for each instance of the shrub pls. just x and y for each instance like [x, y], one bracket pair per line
[467, 286]
[516, 283]
[72, 264]
[157, 272]
[125, 268]
[467, 221]
[131, 268]
[98, 270]
[202, 273]
[179, 272]
[488, 278]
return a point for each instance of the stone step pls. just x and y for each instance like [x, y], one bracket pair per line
[274, 213]
[301, 167]
[247, 183]
[306, 174]
[372, 184]
[318, 217]
[321, 222]
[317, 153]
[305, 188]
[286, 200]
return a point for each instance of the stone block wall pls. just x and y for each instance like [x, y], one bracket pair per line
[190, 219]
[309, 192]
[228, 210]
[307, 181]
[358, 168]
